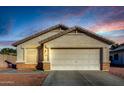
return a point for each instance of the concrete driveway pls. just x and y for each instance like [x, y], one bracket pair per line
[82, 78]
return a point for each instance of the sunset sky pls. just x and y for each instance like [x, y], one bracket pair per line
[19, 22]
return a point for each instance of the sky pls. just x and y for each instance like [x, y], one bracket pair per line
[19, 22]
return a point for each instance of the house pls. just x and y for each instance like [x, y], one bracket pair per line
[117, 56]
[62, 48]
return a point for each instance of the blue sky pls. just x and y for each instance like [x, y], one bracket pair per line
[19, 22]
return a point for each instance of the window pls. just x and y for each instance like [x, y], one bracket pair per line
[116, 57]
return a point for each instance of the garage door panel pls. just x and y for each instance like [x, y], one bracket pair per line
[75, 59]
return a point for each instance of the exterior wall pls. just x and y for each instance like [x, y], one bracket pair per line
[80, 41]
[105, 66]
[46, 66]
[20, 54]
[106, 61]
[31, 56]
[106, 55]
[21, 66]
[33, 43]
[122, 56]
[75, 40]
[120, 60]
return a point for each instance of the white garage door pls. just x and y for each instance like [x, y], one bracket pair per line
[75, 59]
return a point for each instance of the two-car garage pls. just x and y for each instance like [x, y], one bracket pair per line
[75, 59]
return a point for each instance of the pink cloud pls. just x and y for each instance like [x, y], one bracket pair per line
[6, 43]
[109, 26]
[119, 40]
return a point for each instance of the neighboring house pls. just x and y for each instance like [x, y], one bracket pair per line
[63, 48]
[117, 56]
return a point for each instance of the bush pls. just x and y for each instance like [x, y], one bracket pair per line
[8, 51]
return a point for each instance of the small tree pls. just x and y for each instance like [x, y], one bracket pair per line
[8, 51]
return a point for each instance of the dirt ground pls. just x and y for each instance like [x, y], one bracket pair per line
[10, 79]
[119, 71]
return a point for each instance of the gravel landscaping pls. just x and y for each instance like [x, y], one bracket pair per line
[13, 78]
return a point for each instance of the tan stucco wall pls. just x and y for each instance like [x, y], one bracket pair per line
[31, 56]
[106, 55]
[79, 40]
[20, 54]
[75, 40]
[33, 43]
